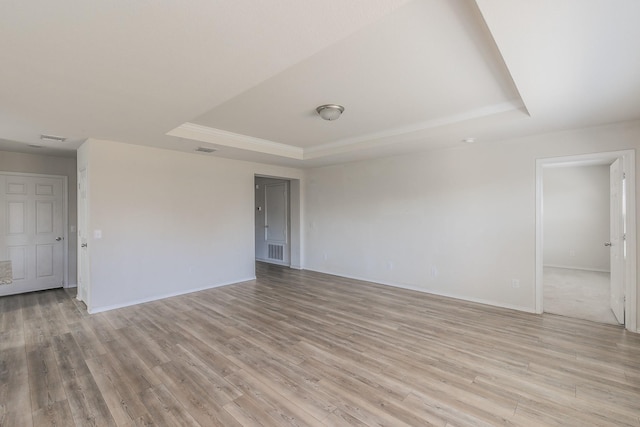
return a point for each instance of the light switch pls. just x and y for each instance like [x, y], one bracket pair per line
[72, 229]
[97, 234]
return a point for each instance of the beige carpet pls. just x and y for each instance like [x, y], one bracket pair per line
[578, 293]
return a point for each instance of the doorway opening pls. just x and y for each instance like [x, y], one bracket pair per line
[585, 237]
[277, 221]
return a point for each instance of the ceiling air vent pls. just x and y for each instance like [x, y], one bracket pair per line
[53, 138]
[205, 150]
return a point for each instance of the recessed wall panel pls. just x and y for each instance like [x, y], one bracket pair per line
[44, 260]
[44, 217]
[16, 217]
[18, 257]
[44, 190]
[16, 188]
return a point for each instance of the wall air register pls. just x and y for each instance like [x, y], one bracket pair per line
[276, 252]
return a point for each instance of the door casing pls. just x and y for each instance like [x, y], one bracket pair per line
[627, 158]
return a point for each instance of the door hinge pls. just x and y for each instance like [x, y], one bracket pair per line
[624, 175]
[624, 236]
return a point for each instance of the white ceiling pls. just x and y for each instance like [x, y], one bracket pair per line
[245, 77]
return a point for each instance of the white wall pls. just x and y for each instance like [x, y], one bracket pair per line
[458, 222]
[171, 222]
[50, 165]
[576, 217]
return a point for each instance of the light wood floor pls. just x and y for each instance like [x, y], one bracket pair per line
[302, 348]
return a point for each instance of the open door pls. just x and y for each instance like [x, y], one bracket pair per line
[616, 242]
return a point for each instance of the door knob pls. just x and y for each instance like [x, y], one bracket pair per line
[58, 239]
[84, 245]
[607, 243]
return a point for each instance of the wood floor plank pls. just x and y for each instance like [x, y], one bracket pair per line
[15, 399]
[45, 383]
[245, 410]
[10, 313]
[127, 362]
[187, 390]
[280, 409]
[71, 363]
[121, 393]
[164, 408]
[54, 414]
[88, 406]
[87, 341]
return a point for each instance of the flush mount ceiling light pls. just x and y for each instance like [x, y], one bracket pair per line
[53, 138]
[469, 140]
[330, 111]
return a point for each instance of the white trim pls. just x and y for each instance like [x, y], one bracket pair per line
[194, 131]
[631, 287]
[94, 310]
[428, 291]
[569, 267]
[65, 218]
[337, 147]
[244, 142]
[275, 262]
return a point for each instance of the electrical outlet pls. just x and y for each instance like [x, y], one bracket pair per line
[572, 252]
[434, 271]
[515, 283]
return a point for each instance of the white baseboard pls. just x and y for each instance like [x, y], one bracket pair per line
[270, 261]
[431, 292]
[94, 310]
[71, 285]
[568, 267]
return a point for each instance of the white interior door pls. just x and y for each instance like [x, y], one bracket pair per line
[32, 231]
[83, 258]
[616, 242]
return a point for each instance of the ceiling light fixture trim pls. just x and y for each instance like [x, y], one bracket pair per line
[330, 112]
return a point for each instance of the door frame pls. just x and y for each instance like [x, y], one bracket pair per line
[627, 158]
[84, 287]
[295, 218]
[65, 218]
